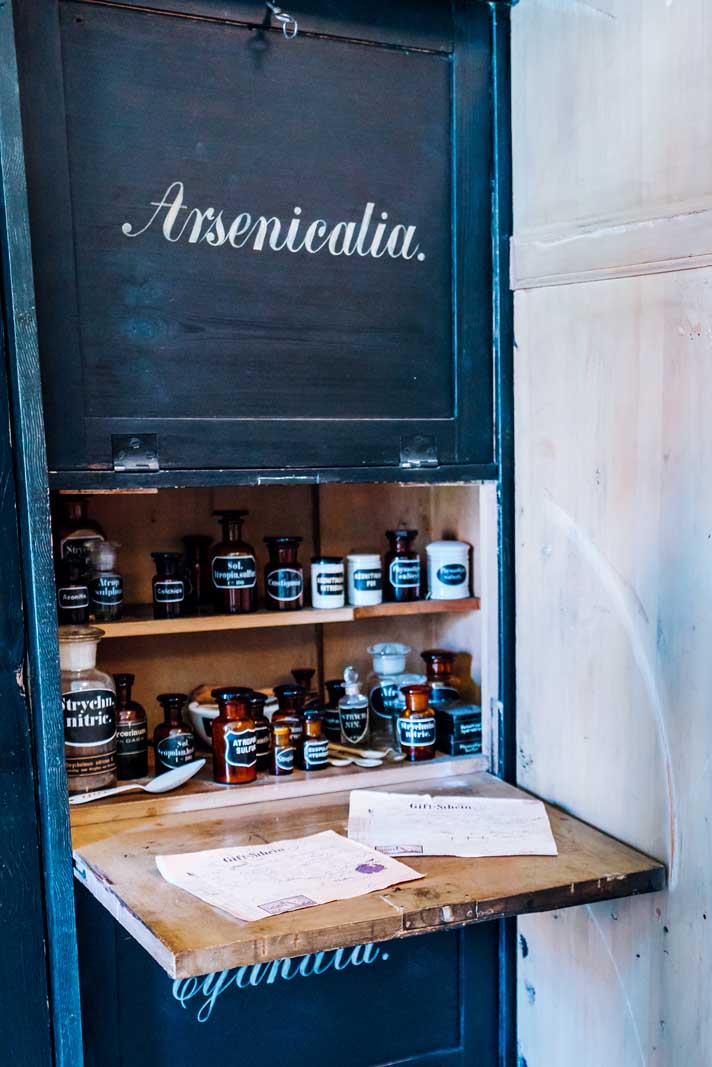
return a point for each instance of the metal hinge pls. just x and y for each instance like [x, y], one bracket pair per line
[132, 452]
[418, 451]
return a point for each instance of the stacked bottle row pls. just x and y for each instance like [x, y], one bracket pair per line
[223, 577]
[106, 731]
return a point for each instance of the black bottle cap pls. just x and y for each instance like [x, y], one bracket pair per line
[283, 540]
[257, 701]
[394, 535]
[289, 689]
[124, 679]
[231, 692]
[168, 700]
[166, 557]
[335, 685]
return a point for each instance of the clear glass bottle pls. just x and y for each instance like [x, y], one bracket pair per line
[131, 731]
[386, 701]
[401, 579]
[168, 585]
[76, 531]
[233, 567]
[72, 593]
[89, 708]
[234, 737]
[196, 572]
[416, 724]
[284, 575]
[353, 711]
[173, 739]
[106, 586]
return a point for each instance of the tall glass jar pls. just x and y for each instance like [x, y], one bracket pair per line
[284, 577]
[233, 567]
[89, 708]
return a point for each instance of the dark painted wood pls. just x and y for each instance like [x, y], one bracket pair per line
[237, 358]
[41, 653]
[430, 1000]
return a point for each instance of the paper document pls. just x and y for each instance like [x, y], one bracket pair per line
[255, 881]
[410, 825]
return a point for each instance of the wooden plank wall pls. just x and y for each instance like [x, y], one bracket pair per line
[612, 268]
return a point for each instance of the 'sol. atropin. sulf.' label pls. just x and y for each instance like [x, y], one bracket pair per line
[234, 572]
[175, 750]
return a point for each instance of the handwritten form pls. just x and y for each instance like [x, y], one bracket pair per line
[254, 881]
[410, 825]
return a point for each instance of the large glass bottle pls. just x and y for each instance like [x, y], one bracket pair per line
[233, 567]
[75, 530]
[131, 731]
[173, 739]
[353, 711]
[401, 579]
[284, 576]
[385, 698]
[234, 737]
[89, 709]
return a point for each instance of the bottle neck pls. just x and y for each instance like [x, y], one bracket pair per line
[172, 715]
[76, 510]
[234, 710]
[123, 694]
[167, 569]
[282, 554]
[400, 545]
[232, 529]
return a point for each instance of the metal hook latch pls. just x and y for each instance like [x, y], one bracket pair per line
[290, 28]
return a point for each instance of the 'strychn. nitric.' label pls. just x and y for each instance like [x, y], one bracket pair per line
[367, 579]
[73, 597]
[404, 573]
[241, 748]
[175, 750]
[284, 584]
[107, 590]
[234, 572]
[89, 731]
[169, 592]
[417, 733]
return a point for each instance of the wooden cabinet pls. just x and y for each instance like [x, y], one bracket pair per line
[257, 253]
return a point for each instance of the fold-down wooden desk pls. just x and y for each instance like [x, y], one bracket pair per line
[116, 862]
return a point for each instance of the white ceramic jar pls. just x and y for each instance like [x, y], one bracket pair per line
[327, 582]
[365, 578]
[448, 570]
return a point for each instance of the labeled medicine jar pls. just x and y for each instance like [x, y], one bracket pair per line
[72, 593]
[89, 709]
[281, 757]
[234, 737]
[284, 576]
[106, 586]
[402, 567]
[256, 706]
[173, 739]
[233, 567]
[131, 731]
[168, 585]
[327, 582]
[416, 724]
[448, 570]
[365, 578]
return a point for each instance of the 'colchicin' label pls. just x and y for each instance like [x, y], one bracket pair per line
[234, 572]
[417, 733]
[169, 592]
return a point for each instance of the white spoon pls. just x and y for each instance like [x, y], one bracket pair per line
[162, 784]
[342, 761]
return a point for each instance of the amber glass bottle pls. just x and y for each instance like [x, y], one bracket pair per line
[196, 574]
[257, 711]
[75, 531]
[131, 731]
[234, 737]
[416, 724]
[234, 568]
[314, 748]
[168, 586]
[284, 577]
[402, 567]
[173, 739]
[281, 757]
[291, 704]
[440, 668]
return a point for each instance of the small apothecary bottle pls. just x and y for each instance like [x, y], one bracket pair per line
[353, 711]
[234, 737]
[416, 724]
[364, 578]
[314, 749]
[402, 567]
[448, 570]
[89, 709]
[304, 676]
[291, 703]
[106, 587]
[72, 593]
[76, 532]
[281, 757]
[335, 689]
[257, 711]
[440, 667]
[131, 731]
[196, 572]
[233, 567]
[173, 739]
[327, 582]
[284, 577]
[168, 585]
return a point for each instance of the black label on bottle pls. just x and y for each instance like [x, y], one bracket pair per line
[77, 548]
[417, 733]
[89, 717]
[262, 736]
[330, 584]
[332, 726]
[284, 758]
[107, 590]
[169, 592]
[175, 750]
[234, 572]
[73, 597]
[367, 579]
[354, 723]
[284, 584]
[452, 574]
[241, 748]
[404, 573]
[443, 694]
[385, 698]
[131, 737]
[316, 754]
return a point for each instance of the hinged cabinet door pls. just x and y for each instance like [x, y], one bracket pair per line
[254, 252]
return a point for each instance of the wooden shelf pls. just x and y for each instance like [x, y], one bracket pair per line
[139, 621]
[117, 863]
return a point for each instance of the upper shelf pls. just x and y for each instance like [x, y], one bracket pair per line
[139, 621]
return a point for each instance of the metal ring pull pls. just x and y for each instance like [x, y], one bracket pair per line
[290, 27]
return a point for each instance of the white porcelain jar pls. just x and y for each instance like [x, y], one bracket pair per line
[365, 578]
[327, 582]
[448, 570]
